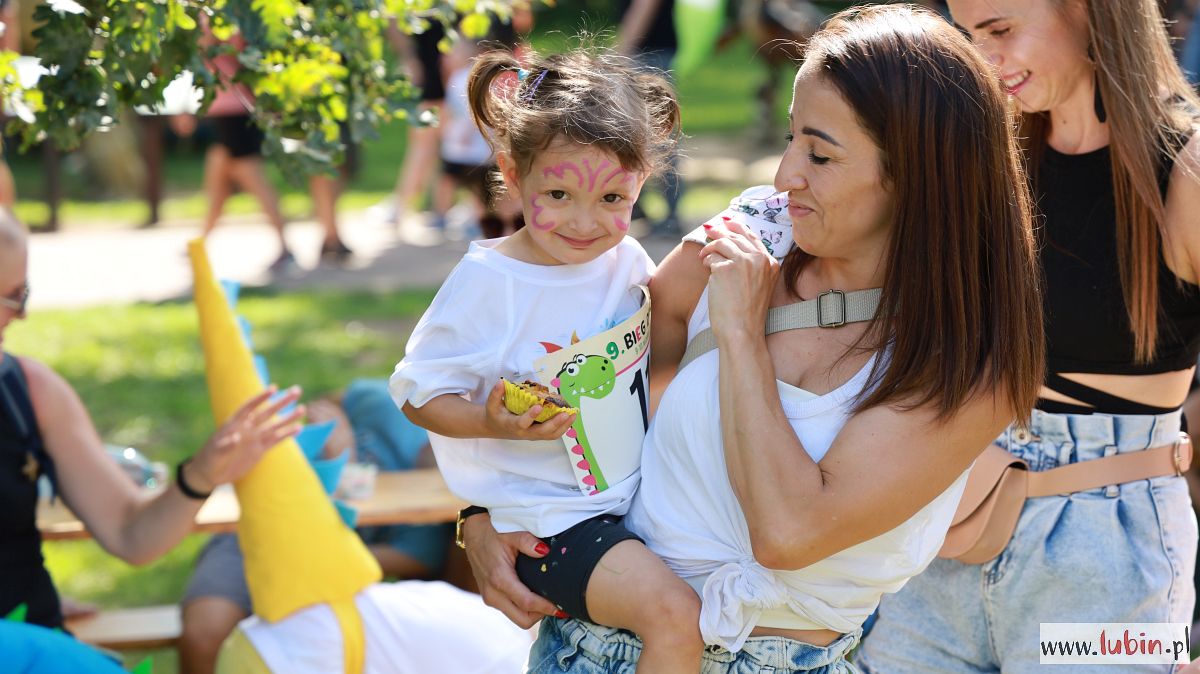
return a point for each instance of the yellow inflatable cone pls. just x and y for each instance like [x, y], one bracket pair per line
[298, 551]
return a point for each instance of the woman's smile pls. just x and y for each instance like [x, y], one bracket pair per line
[1016, 81]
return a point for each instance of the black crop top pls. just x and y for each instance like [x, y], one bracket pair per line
[1087, 327]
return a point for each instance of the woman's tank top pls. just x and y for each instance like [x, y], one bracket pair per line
[23, 459]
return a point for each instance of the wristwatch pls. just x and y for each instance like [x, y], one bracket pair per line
[462, 517]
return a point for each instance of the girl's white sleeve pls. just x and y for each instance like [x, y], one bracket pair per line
[455, 346]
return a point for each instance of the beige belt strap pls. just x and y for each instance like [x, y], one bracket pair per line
[830, 309]
[1172, 459]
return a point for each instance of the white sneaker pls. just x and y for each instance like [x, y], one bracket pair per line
[384, 212]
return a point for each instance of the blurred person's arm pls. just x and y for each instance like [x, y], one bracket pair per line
[10, 17]
[406, 50]
[126, 520]
[634, 25]
[1191, 412]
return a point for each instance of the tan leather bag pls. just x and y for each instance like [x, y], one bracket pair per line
[989, 509]
[999, 483]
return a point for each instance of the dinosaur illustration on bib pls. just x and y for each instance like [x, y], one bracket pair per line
[585, 377]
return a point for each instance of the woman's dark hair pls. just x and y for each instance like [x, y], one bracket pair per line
[586, 96]
[961, 307]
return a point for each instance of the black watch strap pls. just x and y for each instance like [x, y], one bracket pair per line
[184, 487]
[462, 517]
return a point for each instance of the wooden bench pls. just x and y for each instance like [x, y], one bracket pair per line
[128, 629]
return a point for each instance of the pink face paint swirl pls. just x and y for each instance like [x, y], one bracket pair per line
[625, 176]
[560, 171]
[537, 212]
[593, 174]
[622, 225]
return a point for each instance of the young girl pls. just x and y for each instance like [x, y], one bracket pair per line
[576, 136]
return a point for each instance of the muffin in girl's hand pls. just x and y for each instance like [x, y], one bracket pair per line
[518, 398]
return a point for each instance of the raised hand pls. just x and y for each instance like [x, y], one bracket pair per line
[237, 446]
[742, 276]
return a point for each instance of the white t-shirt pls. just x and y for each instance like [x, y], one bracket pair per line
[493, 317]
[412, 627]
[688, 514]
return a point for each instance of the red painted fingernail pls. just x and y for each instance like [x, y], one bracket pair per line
[561, 614]
[542, 548]
[726, 218]
[707, 226]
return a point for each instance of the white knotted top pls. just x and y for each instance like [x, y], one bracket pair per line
[688, 514]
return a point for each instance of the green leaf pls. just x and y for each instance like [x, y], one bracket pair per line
[311, 64]
[475, 26]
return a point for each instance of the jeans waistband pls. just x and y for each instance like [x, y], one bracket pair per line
[1053, 440]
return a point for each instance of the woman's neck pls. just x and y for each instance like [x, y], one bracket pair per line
[823, 274]
[1074, 126]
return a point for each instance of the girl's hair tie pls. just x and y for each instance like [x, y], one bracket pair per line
[528, 96]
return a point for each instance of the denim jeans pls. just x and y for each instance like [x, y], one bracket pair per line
[1117, 554]
[579, 647]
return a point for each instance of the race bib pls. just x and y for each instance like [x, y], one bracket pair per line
[605, 377]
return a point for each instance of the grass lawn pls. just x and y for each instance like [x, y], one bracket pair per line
[139, 370]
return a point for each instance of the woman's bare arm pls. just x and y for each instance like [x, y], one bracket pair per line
[885, 464]
[127, 522]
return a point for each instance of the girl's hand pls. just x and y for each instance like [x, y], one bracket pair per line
[508, 426]
[237, 446]
[742, 276]
[493, 560]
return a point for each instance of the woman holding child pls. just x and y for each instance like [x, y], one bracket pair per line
[794, 478]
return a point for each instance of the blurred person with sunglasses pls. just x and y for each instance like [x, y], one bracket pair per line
[46, 430]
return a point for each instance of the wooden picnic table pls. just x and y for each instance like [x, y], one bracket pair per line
[400, 497]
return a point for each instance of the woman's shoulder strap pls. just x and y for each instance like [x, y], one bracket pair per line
[17, 404]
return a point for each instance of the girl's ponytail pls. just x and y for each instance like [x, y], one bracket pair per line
[487, 108]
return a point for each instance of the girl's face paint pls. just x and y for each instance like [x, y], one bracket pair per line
[578, 201]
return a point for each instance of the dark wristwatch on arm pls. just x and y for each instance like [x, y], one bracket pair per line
[462, 517]
[184, 487]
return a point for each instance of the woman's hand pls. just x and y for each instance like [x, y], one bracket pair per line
[237, 446]
[742, 276]
[508, 426]
[493, 560]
